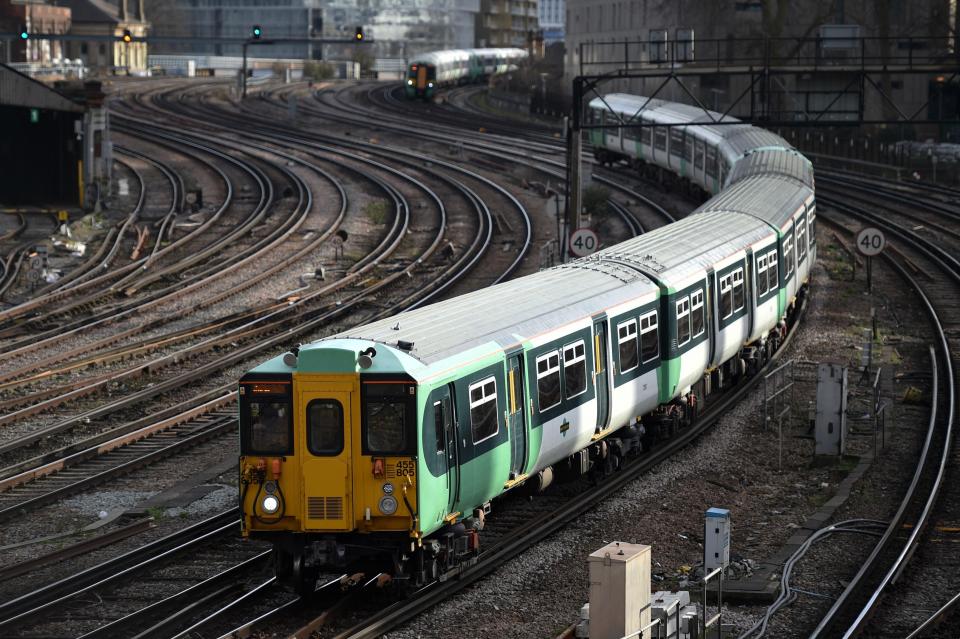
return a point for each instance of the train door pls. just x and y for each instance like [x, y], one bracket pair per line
[422, 77]
[516, 422]
[447, 440]
[600, 371]
[326, 409]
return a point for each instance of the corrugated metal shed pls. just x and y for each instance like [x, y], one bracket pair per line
[508, 312]
[19, 90]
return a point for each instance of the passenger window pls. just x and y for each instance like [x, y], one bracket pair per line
[788, 254]
[438, 426]
[773, 275]
[483, 409]
[385, 414]
[696, 313]
[761, 276]
[683, 321]
[812, 229]
[574, 369]
[649, 337]
[726, 299]
[548, 380]
[698, 157]
[645, 135]
[627, 340]
[801, 240]
[325, 427]
[738, 289]
[660, 138]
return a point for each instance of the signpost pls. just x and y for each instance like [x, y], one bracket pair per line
[583, 242]
[870, 242]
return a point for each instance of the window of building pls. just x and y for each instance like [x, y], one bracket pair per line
[483, 409]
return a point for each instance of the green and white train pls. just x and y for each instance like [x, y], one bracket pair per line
[385, 445]
[429, 72]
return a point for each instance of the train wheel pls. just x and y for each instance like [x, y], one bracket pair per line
[303, 578]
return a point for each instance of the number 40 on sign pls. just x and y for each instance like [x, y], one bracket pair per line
[583, 242]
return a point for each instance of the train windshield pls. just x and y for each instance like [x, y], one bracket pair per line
[266, 423]
[388, 418]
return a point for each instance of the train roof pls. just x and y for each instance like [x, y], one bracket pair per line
[789, 164]
[499, 316]
[678, 253]
[459, 55]
[773, 199]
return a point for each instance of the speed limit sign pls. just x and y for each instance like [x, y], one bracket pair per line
[583, 242]
[870, 241]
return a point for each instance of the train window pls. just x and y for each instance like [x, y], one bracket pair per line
[483, 409]
[811, 228]
[696, 313]
[649, 337]
[386, 418]
[801, 240]
[676, 141]
[574, 369]
[660, 138]
[268, 420]
[788, 254]
[439, 422]
[738, 289]
[698, 158]
[773, 276]
[711, 161]
[325, 427]
[762, 287]
[645, 135]
[548, 380]
[726, 299]
[688, 148]
[683, 321]
[627, 339]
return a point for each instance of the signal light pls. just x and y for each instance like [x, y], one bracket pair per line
[358, 34]
[24, 34]
[256, 31]
[127, 36]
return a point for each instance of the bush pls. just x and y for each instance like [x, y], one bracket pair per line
[595, 200]
[279, 69]
[315, 70]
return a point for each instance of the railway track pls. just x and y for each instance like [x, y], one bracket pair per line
[915, 549]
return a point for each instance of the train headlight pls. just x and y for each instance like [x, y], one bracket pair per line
[410, 83]
[388, 505]
[430, 84]
[270, 504]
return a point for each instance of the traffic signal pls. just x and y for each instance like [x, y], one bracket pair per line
[358, 34]
[256, 31]
[24, 34]
[127, 36]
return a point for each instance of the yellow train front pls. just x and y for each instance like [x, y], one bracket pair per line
[328, 463]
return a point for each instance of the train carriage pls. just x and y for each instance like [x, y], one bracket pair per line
[428, 72]
[386, 444]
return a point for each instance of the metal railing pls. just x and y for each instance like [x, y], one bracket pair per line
[776, 402]
[812, 52]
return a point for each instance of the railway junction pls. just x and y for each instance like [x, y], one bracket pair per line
[315, 357]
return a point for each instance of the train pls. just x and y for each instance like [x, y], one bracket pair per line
[429, 72]
[385, 446]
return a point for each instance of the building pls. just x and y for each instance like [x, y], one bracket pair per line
[104, 19]
[552, 14]
[395, 30]
[507, 23]
[728, 33]
[37, 17]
